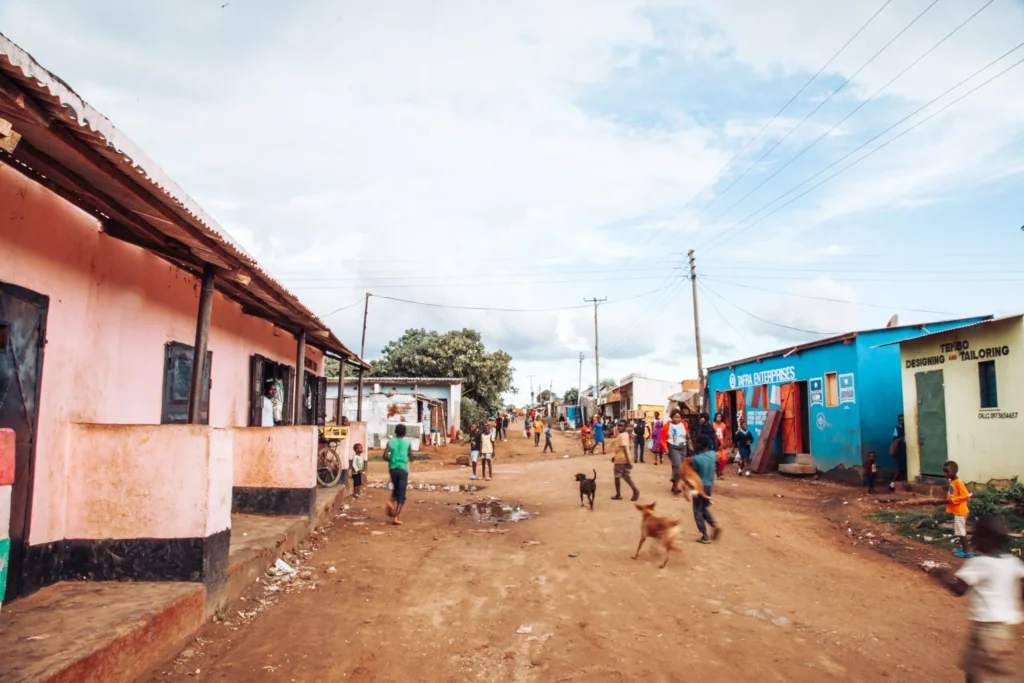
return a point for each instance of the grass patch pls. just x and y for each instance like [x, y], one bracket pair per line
[933, 526]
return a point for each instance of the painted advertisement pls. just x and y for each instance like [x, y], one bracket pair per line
[817, 394]
[750, 379]
[847, 393]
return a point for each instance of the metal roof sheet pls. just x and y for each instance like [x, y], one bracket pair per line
[953, 329]
[826, 342]
[405, 380]
[74, 150]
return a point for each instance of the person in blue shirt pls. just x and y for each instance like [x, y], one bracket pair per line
[598, 435]
[704, 464]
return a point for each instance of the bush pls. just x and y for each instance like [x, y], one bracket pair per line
[472, 414]
[998, 500]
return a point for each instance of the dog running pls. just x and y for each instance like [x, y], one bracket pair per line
[691, 482]
[661, 528]
[588, 488]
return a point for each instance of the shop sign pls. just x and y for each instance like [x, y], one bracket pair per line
[958, 350]
[777, 376]
[816, 392]
[997, 416]
[846, 389]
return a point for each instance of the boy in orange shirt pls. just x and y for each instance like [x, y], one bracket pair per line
[958, 495]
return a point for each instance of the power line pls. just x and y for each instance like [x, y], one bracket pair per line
[511, 310]
[820, 105]
[707, 290]
[467, 283]
[747, 144]
[765, 320]
[722, 238]
[896, 268]
[855, 109]
[339, 310]
[365, 278]
[825, 298]
[641, 323]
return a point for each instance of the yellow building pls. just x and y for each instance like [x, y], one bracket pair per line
[963, 396]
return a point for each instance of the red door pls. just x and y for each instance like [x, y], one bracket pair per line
[792, 433]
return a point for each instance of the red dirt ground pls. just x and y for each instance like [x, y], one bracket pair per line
[788, 594]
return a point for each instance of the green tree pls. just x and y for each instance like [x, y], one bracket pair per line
[571, 395]
[544, 396]
[458, 353]
[332, 365]
[608, 383]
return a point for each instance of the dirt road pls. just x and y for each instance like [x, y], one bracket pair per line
[783, 596]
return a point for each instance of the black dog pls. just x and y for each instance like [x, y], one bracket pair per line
[588, 488]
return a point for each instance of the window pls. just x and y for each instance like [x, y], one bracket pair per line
[831, 390]
[262, 372]
[987, 384]
[178, 382]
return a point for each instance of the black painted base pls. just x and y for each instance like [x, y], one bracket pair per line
[273, 501]
[198, 560]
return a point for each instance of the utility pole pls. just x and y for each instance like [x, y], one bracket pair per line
[696, 328]
[579, 386]
[531, 392]
[597, 362]
[362, 352]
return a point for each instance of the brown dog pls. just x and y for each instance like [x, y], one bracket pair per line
[691, 482]
[661, 528]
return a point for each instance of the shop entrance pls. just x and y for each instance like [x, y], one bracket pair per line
[795, 428]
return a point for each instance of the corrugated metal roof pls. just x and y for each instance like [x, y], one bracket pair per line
[77, 152]
[953, 329]
[405, 380]
[826, 342]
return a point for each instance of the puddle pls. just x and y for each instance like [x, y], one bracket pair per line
[487, 511]
[423, 486]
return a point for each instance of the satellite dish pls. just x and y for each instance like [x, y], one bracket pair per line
[894, 321]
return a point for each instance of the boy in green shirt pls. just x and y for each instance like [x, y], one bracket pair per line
[397, 455]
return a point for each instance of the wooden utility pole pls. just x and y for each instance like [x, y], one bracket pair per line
[579, 385]
[531, 392]
[300, 377]
[362, 352]
[199, 378]
[339, 406]
[597, 361]
[696, 327]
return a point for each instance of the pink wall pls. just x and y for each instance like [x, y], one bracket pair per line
[113, 306]
[144, 481]
[275, 457]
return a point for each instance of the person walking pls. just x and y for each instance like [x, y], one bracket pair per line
[639, 439]
[743, 440]
[898, 450]
[598, 435]
[547, 441]
[704, 463]
[721, 444]
[504, 427]
[621, 463]
[474, 448]
[675, 439]
[657, 449]
[397, 456]
[538, 427]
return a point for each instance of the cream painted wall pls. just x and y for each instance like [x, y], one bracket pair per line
[145, 481]
[112, 308]
[985, 449]
[275, 457]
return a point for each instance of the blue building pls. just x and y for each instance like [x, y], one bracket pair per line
[839, 397]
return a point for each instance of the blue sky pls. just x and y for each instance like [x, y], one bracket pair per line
[528, 155]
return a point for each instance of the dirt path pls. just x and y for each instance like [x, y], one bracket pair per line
[783, 596]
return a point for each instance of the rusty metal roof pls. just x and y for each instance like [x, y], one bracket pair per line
[76, 152]
[976, 323]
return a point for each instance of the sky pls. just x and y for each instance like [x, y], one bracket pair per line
[535, 154]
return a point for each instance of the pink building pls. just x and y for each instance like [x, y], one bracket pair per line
[128, 459]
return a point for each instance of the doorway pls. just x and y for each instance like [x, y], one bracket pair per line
[931, 421]
[22, 336]
[794, 428]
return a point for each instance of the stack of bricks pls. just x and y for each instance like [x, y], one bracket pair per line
[6, 480]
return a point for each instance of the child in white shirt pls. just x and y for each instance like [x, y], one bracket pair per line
[993, 582]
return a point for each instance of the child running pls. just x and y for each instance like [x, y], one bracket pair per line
[957, 497]
[620, 459]
[992, 583]
[397, 455]
[705, 464]
[547, 441]
[487, 453]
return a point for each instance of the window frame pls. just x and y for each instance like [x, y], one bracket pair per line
[983, 390]
[829, 387]
[170, 409]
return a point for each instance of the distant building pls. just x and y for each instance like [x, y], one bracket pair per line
[963, 395]
[838, 398]
[447, 391]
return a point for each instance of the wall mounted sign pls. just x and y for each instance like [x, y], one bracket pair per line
[779, 375]
[997, 416]
[815, 390]
[959, 350]
[846, 389]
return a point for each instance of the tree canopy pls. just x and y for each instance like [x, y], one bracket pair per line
[545, 396]
[458, 353]
[571, 395]
[607, 383]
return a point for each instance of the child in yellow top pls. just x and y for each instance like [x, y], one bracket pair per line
[957, 495]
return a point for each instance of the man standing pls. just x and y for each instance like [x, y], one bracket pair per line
[487, 453]
[898, 450]
[639, 440]
[269, 405]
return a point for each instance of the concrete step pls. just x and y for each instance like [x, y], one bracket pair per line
[802, 466]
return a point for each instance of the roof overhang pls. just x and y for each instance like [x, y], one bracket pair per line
[76, 152]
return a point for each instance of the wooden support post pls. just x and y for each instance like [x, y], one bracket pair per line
[195, 394]
[339, 407]
[300, 377]
[362, 353]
